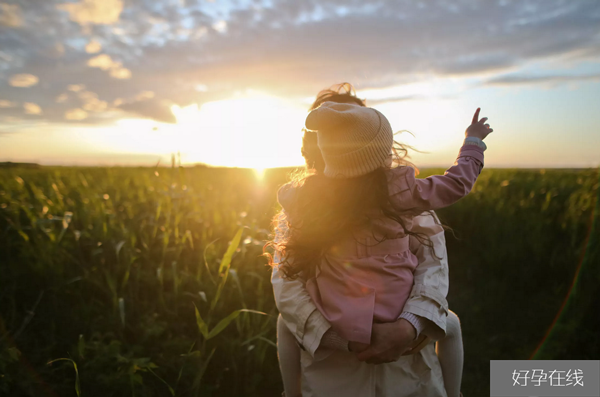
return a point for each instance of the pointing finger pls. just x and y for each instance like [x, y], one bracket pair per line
[476, 116]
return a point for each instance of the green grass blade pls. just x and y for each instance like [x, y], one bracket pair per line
[206, 262]
[204, 365]
[226, 261]
[77, 388]
[202, 327]
[81, 346]
[227, 320]
[162, 380]
[224, 267]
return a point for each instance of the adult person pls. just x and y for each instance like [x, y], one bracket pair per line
[324, 366]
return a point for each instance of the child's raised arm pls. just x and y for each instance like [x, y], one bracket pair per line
[438, 191]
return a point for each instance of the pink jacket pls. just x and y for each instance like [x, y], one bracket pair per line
[362, 281]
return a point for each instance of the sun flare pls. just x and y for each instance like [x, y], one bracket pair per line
[253, 130]
[259, 172]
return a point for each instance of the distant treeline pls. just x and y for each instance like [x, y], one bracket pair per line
[9, 164]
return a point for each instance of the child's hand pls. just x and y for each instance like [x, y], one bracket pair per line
[357, 347]
[477, 128]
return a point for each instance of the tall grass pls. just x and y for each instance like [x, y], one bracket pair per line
[129, 274]
[149, 282]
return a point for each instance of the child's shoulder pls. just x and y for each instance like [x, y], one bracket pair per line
[399, 178]
[286, 195]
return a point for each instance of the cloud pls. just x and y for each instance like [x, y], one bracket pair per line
[23, 80]
[76, 87]
[144, 95]
[75, 114]
[32, 108]
[57, 51]
[372, 102]
[93, 47]
[105, 62]
[405, 43]
[10, 15]
[120, 73]
[151, 109]
[91, 103]
[220, 26]
[6, 104]
[287, 48]
[522, 79]
[93, 11]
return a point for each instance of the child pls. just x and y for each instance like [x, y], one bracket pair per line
[349, 229]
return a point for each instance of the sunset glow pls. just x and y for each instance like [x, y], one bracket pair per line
[252, 130]
[226, 83]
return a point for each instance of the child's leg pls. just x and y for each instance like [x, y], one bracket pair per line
[451, 355]
[289, 359]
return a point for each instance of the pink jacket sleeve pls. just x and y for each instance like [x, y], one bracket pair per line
[437, 191]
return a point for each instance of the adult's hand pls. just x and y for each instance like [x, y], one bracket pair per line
[357, 347]
[388, 342]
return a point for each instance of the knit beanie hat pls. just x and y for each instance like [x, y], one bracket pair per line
[354, 140]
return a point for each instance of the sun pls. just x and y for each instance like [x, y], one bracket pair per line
[260, 173]
[251, 130]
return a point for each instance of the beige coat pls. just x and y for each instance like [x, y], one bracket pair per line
[331, 373]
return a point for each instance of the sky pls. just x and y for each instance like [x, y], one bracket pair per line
[229, 83]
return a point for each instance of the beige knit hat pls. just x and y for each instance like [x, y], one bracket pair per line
[354, 140]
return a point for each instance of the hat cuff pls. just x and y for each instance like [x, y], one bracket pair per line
[361, 161]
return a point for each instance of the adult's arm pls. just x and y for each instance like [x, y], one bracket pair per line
[294, 303]
[428, 296]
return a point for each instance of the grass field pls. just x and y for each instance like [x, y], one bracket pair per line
[127, 277]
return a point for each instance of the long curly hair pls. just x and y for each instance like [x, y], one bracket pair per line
[327, 209]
